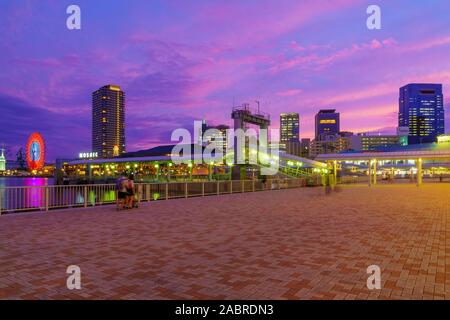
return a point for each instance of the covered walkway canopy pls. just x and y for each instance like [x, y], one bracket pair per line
[419, 156]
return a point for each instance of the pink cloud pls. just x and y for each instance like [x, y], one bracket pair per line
[311, 59]
[289, 93]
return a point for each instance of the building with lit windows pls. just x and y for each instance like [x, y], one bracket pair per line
[327, 123]
[2, 160]
[108, 121]
[216, 135]
[366, 142]
[329, 144]
[444, 139]
[305, 144]
[421, 109]
[289, 130]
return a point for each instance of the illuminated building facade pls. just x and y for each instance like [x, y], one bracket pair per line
[289, 130]
[329, 144]
[2, 160]
[305, 145]
[216, 135]
[366, 142]
[421, 109]
[108, 121]
[327, 123]
[444, 139]
[403, 133]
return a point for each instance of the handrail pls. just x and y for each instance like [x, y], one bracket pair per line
[29, 198]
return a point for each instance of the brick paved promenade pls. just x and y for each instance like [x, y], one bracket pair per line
[287, 244]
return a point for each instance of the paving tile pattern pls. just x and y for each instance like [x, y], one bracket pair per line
[286, 244]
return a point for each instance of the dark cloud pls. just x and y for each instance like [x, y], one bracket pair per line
[161, 88]
[64, 134]
[155, 129]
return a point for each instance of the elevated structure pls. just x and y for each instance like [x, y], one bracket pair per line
[245, 115]
[440, 156]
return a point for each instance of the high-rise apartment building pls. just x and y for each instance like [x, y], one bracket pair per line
[421, 109]
[108, 121]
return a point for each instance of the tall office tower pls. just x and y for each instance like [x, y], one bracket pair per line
[108, 121]
[327, 123]
[421, 109]
[289, 129]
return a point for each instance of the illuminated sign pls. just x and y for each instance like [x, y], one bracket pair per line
[445, 138]
[329, 121]
[88, 155]
[35, 152]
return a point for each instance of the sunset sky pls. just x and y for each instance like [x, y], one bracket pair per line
[180, 61]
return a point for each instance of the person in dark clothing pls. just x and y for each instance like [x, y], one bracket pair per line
[130, 191]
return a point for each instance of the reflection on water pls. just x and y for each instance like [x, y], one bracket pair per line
[32, 193]
[25, 182]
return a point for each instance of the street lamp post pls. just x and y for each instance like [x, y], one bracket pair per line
[190, 170]
[169, 169]
[157, 171]
[211, 164]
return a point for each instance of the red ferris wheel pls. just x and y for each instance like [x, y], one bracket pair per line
[35, 151]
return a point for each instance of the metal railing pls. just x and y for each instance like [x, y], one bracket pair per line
[19, 199]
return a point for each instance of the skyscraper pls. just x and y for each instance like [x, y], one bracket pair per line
[108, 121]
[327, 123]
[421, 109]
[289, 128]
